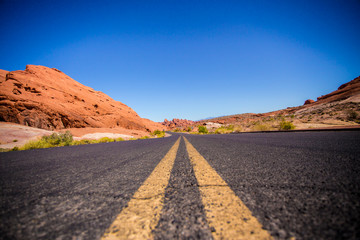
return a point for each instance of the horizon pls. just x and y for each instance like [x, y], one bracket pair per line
[190, 60]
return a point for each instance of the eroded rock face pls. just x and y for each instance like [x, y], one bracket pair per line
[49, 99]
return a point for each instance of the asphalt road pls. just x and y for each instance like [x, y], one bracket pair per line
[303, 184]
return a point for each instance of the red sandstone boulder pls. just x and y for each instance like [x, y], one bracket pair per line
[309, 101]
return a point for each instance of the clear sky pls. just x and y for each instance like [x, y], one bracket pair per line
[189, 59]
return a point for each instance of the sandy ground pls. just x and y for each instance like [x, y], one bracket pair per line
[12, 134]
[16, 135]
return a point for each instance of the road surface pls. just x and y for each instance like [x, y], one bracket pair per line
[295, 185]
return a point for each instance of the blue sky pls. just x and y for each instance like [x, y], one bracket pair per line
[189, 59]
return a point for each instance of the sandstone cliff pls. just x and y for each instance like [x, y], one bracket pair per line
[49, 99]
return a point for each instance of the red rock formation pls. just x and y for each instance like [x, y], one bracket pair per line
[49, 99]
[344, 91]
[177, 123]
[309, 101]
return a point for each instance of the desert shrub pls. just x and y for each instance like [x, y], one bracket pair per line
[119, 139]
[158, 133]
[14, 149]
[144, 137]
[105, 140]
[35, 145]
[284, 125]
[225, 129]
[202, 129]
[82, 142]
[189, 129]
[58, 139]
[352, 115]
[53, 140]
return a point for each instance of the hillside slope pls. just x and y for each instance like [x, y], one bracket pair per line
[47, 98]
[340, 108]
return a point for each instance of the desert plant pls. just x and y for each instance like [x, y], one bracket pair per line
[58, 139]
[105, 140]
[285, 125]
[225, 129]
[202, 129]
[82, 142]
[144, 137]
[352, 115]
[158, 134]
[53, 140]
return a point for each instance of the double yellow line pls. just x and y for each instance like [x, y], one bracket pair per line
[226, 214]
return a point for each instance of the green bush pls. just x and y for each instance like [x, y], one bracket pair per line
[58, 139]
[105, 140]
[81, 142]
[284, 125]
[158, 133]
[144, 137]
[202, 129]
[226, 129]
[54, 140]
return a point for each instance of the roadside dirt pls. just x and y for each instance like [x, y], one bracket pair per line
[16, 135]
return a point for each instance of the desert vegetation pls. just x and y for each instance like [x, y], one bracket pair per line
[158, 134]
[66, 139]
[203, 130]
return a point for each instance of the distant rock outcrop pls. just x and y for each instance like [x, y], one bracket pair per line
[47, 98]
[177, 123]
[344, 91]
[309, 101]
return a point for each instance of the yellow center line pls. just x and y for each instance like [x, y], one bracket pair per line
[225, 212]
[142, 214]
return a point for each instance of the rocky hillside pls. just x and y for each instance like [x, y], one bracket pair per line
[47, 98]
[337, 109]
[177, 123]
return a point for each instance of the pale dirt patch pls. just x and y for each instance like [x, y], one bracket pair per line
[16, 135]
[79, 132]
[95, 136]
